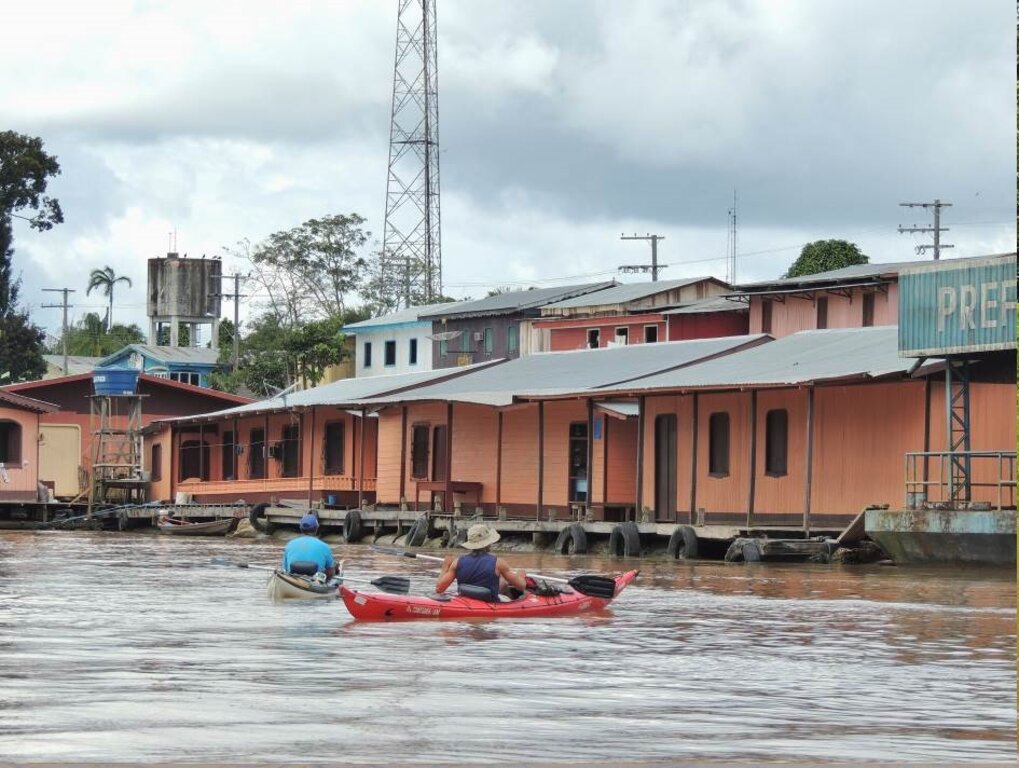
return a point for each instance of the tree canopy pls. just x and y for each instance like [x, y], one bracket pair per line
[105, 280]
[824, 256]
[25, 170]
[90, 337]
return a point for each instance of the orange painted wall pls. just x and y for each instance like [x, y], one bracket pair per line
[783, 494]
[161, 489]
[475, 444]
[388, 485]
[22, 477]
[622, 462]
[519, 455]
[724, 494]
[799, 312]
[559, 414]
[861, 434]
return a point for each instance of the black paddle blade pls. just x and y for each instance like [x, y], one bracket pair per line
[595, 586]
[224, 561]
[396, 585]
[393, 551]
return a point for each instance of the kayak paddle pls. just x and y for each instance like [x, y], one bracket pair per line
[590, 585]
[397, 585]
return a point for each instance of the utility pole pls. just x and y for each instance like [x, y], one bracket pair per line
[236, 296]
[654, 266]
[937, 229]
[65, 306]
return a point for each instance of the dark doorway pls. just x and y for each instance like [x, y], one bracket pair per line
[439, 452]
[194, 460]
[665, 468]
[335, 442]
[256, 454]
[419, 452]
[229, 457]
[291, 450]
[578, 461]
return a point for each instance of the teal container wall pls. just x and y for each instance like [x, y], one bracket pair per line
[951, 307]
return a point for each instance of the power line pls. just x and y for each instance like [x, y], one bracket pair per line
[653, 267]
[937, 229]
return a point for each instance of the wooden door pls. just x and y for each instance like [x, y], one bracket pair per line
[665, 468]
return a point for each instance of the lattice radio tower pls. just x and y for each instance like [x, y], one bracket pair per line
[411, 252]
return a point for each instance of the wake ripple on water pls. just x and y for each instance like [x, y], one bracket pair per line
[130, 647]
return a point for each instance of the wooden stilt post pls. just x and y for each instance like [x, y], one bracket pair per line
[640, 458]
[810, 461]
[693, 462]
[541, 456]
[753, 458]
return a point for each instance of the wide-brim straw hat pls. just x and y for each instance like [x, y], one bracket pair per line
[480, 536]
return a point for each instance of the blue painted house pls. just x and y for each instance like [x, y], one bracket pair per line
[188, 365]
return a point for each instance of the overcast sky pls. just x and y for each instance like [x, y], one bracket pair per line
[563, 124]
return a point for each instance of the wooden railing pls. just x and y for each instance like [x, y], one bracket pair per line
[296, 485]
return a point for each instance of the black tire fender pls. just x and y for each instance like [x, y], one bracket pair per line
[734, 554]
[624, 540]
[256, 516]
[683, 543]
[572, 540]
[751, 552]
[418, 532]
[353, 528]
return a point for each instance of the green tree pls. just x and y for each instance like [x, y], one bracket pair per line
[310, 271]
[89, 337]
[25, 170]
[824, 256]
[106, 280]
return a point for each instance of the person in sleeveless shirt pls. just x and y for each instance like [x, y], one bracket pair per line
[480, 567]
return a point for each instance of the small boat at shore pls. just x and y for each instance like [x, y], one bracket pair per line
[179, 527]
[293, 586]
[378, 606]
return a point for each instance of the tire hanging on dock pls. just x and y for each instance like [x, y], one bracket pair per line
[572, 540]
[256, 516]
[624, 540]
[353, 528]
[683, 543]
[418, 533]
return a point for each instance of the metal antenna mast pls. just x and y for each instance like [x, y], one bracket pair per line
[937, 229]
[411, 252]
[731, 255]
[654, 267]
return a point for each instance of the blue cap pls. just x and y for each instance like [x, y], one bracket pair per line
[308, 523]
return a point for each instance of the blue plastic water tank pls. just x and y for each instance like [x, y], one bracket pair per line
[115, 381]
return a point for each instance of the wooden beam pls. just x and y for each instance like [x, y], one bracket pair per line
[605, 460]
[753, 457]
[448, 495]
[640, 457]
[403, 453]
[693, 461]
[311, 453]
[590, 456]
[541, 456]
[810, 460]
[498, 462]
[360, 461]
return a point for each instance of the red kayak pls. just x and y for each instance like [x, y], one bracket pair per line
[379, 606]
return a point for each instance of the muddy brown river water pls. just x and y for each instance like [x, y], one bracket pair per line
[132, 647]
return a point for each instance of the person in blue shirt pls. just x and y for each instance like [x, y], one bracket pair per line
[309, 548]
[480, 567]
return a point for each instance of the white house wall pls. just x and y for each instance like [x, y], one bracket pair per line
[401, 336]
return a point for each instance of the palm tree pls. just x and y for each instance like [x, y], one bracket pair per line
[106, 279]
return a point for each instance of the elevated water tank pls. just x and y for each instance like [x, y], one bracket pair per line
[115, 381]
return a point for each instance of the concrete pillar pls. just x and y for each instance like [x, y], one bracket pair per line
[174, 331]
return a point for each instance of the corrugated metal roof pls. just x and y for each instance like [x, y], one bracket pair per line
[714, 304]
[516, 301]
[623, 293]
[167, 354]
[801, 358]
[556, 373]
[344, 392]
[408, 315]
[855, 272]
[75, 363]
